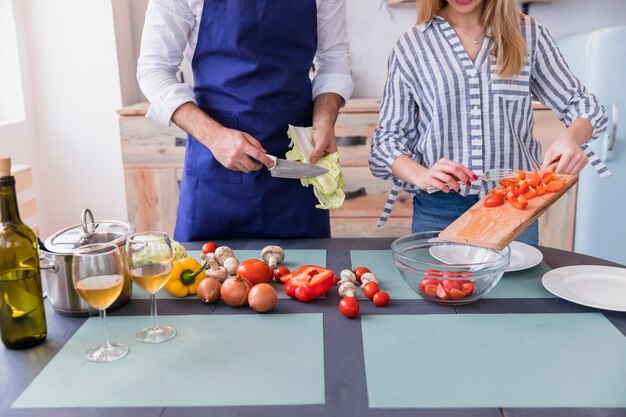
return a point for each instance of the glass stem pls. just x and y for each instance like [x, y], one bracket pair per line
[153, 311]
[103, 320]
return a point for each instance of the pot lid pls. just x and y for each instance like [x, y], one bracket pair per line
[68, 240]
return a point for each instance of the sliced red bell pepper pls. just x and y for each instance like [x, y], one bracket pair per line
[519, 202]
[541, 189]
[548, 176]
[310, 282]
[531, 193]
[555, 185]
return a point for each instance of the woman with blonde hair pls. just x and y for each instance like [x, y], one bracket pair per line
[457, 102]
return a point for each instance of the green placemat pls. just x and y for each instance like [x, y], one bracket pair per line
[230, 360]
[293, 259]
[494, 360]
[380, 262]
[520, 284]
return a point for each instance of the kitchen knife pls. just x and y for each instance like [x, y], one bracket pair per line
[294, 169]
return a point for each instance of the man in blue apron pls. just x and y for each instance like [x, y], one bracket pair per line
[251, 62]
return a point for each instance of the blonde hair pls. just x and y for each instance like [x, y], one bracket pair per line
[509, 47]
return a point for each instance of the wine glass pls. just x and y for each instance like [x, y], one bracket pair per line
[149, 260]
[98, 276]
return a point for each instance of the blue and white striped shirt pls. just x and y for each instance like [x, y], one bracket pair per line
[438, 104]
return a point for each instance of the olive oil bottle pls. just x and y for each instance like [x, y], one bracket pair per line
[22, 315]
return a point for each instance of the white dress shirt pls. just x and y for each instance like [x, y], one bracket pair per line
[171, 32]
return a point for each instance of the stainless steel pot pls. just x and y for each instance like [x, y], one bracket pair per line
[56, 258]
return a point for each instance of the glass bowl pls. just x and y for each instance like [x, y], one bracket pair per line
[446, 272]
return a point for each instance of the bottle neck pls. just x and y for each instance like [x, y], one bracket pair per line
[9, 212]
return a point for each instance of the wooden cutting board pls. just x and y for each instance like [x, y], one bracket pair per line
[496, 227]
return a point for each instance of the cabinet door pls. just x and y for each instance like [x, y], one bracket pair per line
[152, 197]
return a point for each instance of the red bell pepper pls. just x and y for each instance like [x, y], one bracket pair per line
[555, 185]
[310, 282]
[519, 202]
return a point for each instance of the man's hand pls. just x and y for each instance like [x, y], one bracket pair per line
[325, 109]
[237, 151]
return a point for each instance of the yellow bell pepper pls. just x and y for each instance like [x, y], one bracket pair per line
[186, 275]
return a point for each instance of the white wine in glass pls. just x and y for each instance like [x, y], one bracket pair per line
[98, 275]
[149, 260]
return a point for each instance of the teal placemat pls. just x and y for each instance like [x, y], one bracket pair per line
[380, 262]
[494, 360]
[230, 360]
[293, 259]
[520, 284]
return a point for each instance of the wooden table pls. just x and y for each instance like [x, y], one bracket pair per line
[345, 382]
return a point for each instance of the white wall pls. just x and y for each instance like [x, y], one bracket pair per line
[76, 85]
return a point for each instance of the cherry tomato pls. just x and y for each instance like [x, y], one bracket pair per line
[359, 271]
[431, 289]
[456, 294]
[255, 271]
[494, 200]
[281, 271]
[441, 292]
[468, 288]
[370, 289]
[349, 306]
[451, 285]
[209, 247]
[381, 298]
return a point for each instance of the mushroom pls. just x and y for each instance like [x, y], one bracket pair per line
[231, 265]
[273, 255]
[368, 276]
[347, 276]
[222, 253]
[215, 271]
[347, 289]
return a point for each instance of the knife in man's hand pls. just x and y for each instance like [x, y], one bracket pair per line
[294, 169]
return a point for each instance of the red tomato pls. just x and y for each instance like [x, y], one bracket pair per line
[441, 292]
[281, 271]
[209, 247]
[359, 271]
[381, 298]
[494, 200]
[431, 289]
[432, 273]
[370, 289]
[451, 285]
[468, 288]
[456, 294]
[255, 271]
[349, 306]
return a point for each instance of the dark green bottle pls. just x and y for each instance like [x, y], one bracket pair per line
[22, 314]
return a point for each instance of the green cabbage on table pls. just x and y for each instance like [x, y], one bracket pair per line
[327, 187]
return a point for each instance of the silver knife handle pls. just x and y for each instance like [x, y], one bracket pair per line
[431, 190]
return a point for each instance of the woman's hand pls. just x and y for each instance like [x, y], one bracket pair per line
[566, 148]
[444, 175]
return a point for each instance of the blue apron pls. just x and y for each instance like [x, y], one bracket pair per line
[251, 69]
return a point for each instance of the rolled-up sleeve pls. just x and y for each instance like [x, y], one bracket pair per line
[554, 84]
[397, 123]
[165, 34]
[332, 59]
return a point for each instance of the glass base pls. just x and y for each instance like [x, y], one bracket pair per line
[158, 335]
[99, 353]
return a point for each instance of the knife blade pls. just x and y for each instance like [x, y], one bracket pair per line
[294, 169]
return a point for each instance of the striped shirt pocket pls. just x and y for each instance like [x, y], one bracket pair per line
[510, 89]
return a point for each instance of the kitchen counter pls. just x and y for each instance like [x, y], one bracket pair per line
[349, 371]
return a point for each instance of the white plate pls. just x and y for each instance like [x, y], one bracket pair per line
[523, 256]
[589, 285]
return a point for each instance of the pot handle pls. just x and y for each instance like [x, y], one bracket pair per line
[48, 264]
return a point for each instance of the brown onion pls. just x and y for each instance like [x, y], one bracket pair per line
[235, 290]
[209, 290]
[262, 298]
